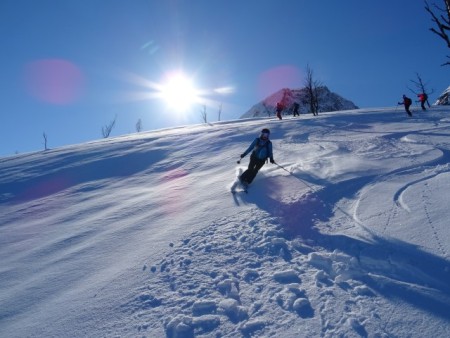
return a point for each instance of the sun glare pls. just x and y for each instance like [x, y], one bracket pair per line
[179, 92]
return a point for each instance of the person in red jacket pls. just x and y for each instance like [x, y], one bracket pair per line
[422, 99]
[407, 103]
[279, 109]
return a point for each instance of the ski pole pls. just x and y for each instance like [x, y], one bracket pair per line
[280, 166]
[290, 173]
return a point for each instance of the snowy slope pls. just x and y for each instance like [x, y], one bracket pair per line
[139, 236]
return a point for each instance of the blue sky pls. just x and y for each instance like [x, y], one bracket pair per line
[70, 67]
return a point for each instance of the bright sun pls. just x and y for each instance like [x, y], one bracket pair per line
[179, 92]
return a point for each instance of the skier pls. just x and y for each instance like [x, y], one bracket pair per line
[279, 109]
[423, 99]
[407, 103]
[296, 106]
[261, 149]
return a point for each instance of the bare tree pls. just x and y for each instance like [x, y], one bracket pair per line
[442, 22]
[204, 116]
[139, 126]
[312, 87]
[45, 140]
[106, 130]
[420, 87]
[220, 111]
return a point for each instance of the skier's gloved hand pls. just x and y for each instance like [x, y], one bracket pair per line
[242, 155]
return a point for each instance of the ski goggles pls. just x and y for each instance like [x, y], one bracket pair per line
[265, 135]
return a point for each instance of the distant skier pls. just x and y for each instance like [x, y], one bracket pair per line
[407, 103]
[261, 149]
[296, 107]
[280, 108]
[423, 98]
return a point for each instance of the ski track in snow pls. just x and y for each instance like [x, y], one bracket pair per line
[426, 192]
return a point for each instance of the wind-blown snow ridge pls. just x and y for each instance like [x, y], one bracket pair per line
[139, 236]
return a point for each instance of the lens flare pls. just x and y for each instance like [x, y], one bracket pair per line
[54, 81]
[274, 79]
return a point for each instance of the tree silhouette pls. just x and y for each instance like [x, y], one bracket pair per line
[442, 22]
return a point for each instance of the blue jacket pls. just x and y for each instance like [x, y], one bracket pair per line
[262, 149]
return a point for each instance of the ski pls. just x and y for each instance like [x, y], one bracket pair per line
[239, 187]
[236, 191]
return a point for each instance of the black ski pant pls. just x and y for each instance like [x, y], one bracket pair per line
[253, 167]
[407, 109]
[422, 104]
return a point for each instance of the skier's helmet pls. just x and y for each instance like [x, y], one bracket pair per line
[265, 134]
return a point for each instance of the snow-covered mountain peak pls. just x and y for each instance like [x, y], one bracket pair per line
[328, 102]
[444, 99]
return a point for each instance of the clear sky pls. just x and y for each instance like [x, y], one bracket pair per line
[69, 68]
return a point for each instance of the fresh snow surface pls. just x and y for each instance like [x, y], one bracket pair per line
[139, 235]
